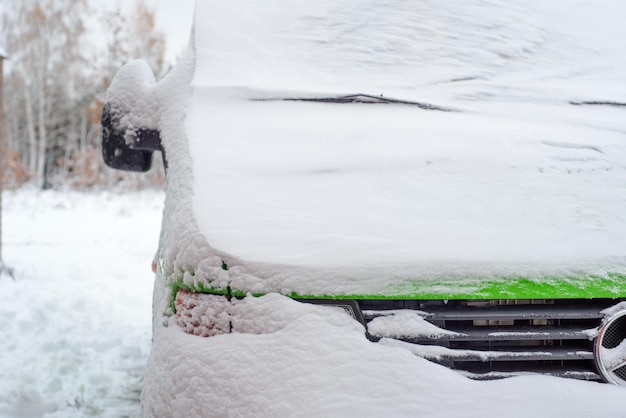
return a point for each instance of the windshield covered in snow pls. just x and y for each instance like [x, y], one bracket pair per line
[482, 139]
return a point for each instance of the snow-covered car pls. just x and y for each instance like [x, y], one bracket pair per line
[451, 174]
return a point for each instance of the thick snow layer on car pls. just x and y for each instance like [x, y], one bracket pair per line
[286, 358]
[379, 192]
[522, 177]
[132, 94]
[474, 50]
[405, 324]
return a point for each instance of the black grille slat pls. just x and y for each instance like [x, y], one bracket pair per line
[514, 354]
[502, 313]
[485, 333]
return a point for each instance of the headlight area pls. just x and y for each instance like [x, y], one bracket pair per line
[202, 314]
[206, 315]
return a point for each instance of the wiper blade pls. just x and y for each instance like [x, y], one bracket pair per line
[362, 98]
[599, 103]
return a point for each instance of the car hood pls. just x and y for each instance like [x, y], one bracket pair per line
[481, 145]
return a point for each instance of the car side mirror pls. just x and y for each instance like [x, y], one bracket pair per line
[124, 150]
[130, 118]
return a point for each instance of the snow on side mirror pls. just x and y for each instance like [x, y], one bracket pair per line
[130, 119]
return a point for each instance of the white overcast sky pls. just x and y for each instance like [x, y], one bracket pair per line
[174, 17]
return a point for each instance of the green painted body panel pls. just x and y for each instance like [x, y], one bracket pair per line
[590, 287]
[611, 286]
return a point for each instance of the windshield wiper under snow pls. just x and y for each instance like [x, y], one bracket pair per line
[599, 103]
[362, 98]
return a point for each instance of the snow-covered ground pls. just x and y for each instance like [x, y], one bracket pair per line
[75, 325]
[75, 335]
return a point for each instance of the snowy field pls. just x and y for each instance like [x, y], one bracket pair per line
[75, 325]
[75, 336]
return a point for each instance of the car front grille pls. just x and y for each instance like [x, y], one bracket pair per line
[494, 338]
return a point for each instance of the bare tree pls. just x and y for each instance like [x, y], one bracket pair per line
[134, 36]
[56, 81]
[44, 39]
